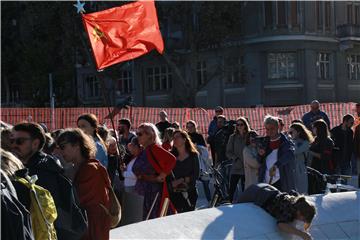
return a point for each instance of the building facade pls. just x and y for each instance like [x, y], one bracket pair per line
[289, 52]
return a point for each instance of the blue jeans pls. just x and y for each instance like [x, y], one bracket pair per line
[206, 188]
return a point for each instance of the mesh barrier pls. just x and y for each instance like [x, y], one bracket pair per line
[66, 117]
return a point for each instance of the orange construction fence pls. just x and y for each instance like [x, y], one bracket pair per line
[66, 117]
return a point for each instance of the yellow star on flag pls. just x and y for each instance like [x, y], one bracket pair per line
[97, 33]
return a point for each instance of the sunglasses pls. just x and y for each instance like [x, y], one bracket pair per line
[19, 141]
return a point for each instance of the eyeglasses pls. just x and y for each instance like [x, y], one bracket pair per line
[240, 124]
[19, 141]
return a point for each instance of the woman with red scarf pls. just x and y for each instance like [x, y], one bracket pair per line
[91, 181]
[151, 169]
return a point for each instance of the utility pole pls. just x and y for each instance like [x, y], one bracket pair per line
[52, 102]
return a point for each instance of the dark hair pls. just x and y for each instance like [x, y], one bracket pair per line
[322, 130]
[126, 122]
[34, 130]
[5, 139]
[250, 134]
[297, 121]
[90, 118]
[55, 134]
[103, 132]
[304, 133]
[135, 141]
[347, 117]
[189, 145]
[221, 116]
[77, 136]
[306, 209]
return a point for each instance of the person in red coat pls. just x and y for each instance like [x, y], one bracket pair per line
[151, 168]
[91, 181]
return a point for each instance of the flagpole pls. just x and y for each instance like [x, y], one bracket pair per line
[120, 148]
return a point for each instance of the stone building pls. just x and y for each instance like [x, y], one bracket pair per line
[289, 52]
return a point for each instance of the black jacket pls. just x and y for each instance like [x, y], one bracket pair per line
[344, 142]
[51, 177]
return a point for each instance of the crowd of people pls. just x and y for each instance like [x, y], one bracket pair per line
[156, 167]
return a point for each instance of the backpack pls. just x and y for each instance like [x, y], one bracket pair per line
[15, 224]
[75, 222]
[114, 212]
[42, 209]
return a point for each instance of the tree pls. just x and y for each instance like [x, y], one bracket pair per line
[204, 24]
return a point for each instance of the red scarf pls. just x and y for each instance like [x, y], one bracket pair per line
[164, 162]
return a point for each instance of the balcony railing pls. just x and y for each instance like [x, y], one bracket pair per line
[348, 30]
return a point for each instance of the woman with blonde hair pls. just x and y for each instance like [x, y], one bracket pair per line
[89, 124]
[234, 151]
[302, 138]
[186, 172]
[151, 168]
[9, 163]
[91, 180]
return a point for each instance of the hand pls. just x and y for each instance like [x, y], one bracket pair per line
[306, 236]
[176, 182]
[161, 177]
[272, 171]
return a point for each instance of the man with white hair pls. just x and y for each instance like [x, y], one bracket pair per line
[276, 157]
[315, 114]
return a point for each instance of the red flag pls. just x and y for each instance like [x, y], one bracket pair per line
[122, 33]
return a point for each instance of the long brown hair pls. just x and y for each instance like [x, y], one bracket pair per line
[189, 145]
[77, 136]
[245, 122]
[94, 122]
[304, 133]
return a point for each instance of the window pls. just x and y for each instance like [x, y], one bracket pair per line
[319, 14]
[281, 65]
[125, 82]
[281, 13]
[357, 14]
[349, 13]
[268, 5]
[235, 70]
[294, 13]
[91, 87]
[323, 66]
[159, 78]
[354, 67]
[327, 15]
[201, 73]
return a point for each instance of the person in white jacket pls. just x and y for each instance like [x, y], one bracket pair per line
[251, 164]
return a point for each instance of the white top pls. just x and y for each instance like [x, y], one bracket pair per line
[129, 176]
[271, 159]
[337, 217]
